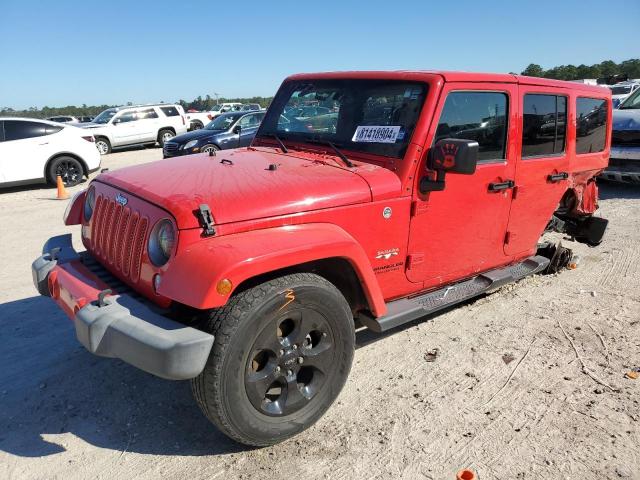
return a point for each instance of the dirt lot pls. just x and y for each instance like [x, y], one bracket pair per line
[67, 414]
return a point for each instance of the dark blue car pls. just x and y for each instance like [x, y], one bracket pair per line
[229, 130]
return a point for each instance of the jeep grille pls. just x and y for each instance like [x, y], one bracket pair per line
[117, 237]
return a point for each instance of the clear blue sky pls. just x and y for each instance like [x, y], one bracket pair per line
[65, 52]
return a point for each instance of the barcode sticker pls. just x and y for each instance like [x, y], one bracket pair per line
[376, 133]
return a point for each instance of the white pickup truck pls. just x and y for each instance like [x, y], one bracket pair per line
[197, 120]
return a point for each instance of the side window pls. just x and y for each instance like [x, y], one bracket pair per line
[591, 129]
[479, 116]
[170, 111]
[146, 114]
[18, 130]
[544, 125]
[247, 121]
[127, 117]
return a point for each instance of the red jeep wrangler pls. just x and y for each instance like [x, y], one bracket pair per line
[366, 198]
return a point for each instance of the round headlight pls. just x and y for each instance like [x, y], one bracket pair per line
[161, 242]
[89, 203]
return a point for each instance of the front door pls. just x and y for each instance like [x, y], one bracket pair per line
[461, 230]
[541, 169]
[125, 129]
[249, 125]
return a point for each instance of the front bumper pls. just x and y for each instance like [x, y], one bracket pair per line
[178, 153]
[624, 165]
[119, 326]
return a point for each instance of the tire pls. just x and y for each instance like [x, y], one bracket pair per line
[103, 145]
[196, 126]
[69, 168]
[209, 147]
[164, 136]
[260, 337]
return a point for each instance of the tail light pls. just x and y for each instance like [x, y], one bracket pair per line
[90, 139]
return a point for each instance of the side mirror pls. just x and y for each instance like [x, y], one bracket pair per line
[452, 155]
[116, 121]
[237, 129]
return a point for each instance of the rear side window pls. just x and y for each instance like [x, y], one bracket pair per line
[544, 125]
[19, 130]
[479, 116]
[170, 111]
[591, 125]
[147, 113]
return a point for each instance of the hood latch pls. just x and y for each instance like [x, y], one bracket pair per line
[206, 220]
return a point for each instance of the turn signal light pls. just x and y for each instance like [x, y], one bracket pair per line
[224, 286]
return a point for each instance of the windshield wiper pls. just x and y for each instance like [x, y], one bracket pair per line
[342, 156]
[277, 139]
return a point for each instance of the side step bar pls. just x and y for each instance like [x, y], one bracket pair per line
[409, 309]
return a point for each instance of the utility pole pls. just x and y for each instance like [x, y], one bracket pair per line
[217, 95]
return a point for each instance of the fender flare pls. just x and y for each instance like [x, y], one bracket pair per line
[192, 275]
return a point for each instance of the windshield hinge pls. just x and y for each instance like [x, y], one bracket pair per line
[206, 220]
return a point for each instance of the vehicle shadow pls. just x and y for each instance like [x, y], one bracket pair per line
[50, 385]
[608, 190]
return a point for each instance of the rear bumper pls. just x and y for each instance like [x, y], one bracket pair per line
[121, 326]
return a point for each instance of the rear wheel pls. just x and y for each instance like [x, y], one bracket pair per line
[164, 136]
[281, 355]
[68, 168]
[196, 125]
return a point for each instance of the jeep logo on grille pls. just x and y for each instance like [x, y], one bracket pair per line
[121, 199]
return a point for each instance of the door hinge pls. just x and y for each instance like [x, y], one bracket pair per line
[414, 259]
[418, 207]
[507, 237]
[514, 192]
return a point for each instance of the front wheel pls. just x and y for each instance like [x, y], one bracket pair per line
[281, 355]
[209, 148]
[164, 136]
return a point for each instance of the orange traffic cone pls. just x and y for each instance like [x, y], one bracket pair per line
[62, 192]
[466, 475]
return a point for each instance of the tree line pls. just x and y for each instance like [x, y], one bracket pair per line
[627, 68]
[608, 68]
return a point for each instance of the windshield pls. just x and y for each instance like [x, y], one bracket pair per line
[372, 116]
[105, 116]
[621, 90]
[631, 102]
[223, 122]
[216, 108]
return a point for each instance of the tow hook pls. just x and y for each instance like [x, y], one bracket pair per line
[102, 295]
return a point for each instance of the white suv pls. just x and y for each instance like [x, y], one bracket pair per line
[34, 150]
[140, 124]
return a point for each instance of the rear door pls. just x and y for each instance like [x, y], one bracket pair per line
[542, 165]
[460, 231]
[25, 149]
[147, 125]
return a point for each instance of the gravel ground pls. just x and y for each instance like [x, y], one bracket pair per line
[67, 414]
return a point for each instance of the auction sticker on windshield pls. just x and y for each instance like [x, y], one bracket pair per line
[376, 133]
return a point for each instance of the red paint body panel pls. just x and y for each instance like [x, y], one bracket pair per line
[312, 207]
[72, 286]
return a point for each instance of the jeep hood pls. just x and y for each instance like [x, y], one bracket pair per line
[238, 184]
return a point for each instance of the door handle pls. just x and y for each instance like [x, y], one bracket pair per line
[496, 187]
[45, 143]
[556, 177]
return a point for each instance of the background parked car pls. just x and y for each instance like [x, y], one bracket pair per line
[64, 119]
[229, 130]
[34, 151]
[141, 124]
[620, 91]
[251, 107]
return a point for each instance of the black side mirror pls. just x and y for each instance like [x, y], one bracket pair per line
[237, 129]
[452, 155]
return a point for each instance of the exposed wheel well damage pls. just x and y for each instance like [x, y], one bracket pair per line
[338, 271]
